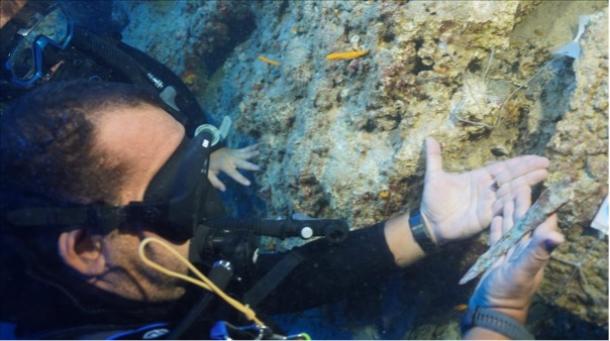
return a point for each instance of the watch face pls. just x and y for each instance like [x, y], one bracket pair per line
[420, 233]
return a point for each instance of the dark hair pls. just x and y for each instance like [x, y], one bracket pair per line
[47, 141]
[47, 156]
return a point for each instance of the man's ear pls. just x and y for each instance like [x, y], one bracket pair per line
[82, 251]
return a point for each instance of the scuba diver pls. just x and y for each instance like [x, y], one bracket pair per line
[72, 51]
[109, 220]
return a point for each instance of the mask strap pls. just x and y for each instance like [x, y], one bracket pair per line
[203, 282]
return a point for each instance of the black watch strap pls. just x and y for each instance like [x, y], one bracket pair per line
[496, 321]
[420, 232]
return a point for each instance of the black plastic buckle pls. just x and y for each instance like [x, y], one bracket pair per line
[106, 218]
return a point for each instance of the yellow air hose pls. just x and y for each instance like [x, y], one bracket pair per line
[203, 282]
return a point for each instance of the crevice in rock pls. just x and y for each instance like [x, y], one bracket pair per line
[420, 66]
[557, 89]
[282, 9]
[231, 27]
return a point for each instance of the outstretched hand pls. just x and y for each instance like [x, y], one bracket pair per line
[229, 161]
[458, 206]
[511, 283]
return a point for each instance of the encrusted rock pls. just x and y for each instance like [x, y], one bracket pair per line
[344, 138]
[579, 149]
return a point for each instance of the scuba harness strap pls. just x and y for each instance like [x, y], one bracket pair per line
[273, 278]
[221, 275]
[142, 70]
[105, 50]
[171, 89]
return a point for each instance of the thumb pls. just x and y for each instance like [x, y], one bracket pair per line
[535, 256]
[434, 161]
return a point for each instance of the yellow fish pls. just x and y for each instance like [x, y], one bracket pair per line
[460, 307]
[268, 61]
[347, 55]
[384, 195]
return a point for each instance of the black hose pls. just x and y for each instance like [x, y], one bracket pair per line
[220, 274]
[335, 230]
[185, 100]
[135, 65]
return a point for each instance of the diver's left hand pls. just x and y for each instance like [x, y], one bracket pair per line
[229, 161]
[458, 206]
[511, 283]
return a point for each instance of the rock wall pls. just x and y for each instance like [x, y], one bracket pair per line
[344, 138]
[579, 149]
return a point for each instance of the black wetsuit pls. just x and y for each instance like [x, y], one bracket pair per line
[327, 273]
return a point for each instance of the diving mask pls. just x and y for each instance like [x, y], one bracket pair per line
[25, 61]
[176, 201]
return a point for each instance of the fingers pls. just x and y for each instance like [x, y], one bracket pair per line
[523, 201]
[549, 229]
[250, 147]
[505, 171]
[434, 161]
[243, 164]
[514, 179]
[515, 252]
[495, 231]
[502, 224]
[522, 197]
[216, 182]
[535, 256]
[238, 177]
[228, 161]
[248, 152]
[531, 175]
[508, 217]
[529, 179]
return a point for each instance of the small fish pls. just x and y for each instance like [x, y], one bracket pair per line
[189, 78]
[549, 201]
[268, 61]
[460, 307]
[383, 195]
[347, 55]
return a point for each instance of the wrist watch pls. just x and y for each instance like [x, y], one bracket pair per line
[420, 233]
[496, 321]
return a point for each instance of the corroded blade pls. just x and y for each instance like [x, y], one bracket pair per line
[549, 201]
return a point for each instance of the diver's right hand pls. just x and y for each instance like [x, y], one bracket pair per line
[511, 283]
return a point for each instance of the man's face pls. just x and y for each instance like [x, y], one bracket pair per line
[142, 139]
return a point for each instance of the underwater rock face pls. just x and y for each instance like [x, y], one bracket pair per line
[192, 37]
[579, 149]
[343, 138]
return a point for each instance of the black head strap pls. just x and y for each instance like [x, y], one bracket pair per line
[181, 185]
[172, 206]
[105, 218]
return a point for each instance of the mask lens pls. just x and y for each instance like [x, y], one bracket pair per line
[52, 29]
[22, 60]
[54, 26]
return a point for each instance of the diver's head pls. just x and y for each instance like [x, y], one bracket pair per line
[81, 143]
